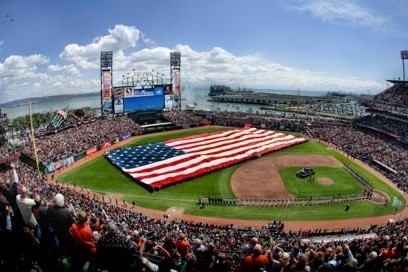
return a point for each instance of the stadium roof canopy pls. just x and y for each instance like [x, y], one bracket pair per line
[399, 81]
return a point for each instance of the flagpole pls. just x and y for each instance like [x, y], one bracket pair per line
[33, 140]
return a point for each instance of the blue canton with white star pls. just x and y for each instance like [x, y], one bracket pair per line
[137, 156]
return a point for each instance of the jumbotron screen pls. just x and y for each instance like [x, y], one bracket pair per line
[143, 99]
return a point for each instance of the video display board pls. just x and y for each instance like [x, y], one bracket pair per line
[143, 99]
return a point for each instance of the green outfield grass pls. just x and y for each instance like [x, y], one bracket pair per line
[100, 176]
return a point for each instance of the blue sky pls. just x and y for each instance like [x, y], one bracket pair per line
[53, 47]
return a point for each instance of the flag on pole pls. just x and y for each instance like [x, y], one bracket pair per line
[164, 163]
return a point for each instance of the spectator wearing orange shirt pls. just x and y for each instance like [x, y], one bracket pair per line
[183, 246]
[388, 252]
[83, 238]
[256, 261]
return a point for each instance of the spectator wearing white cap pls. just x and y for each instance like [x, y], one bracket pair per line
[60, 219]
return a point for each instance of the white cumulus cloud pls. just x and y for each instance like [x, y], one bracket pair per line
[78, 69]
[342, 12]
[87, 56]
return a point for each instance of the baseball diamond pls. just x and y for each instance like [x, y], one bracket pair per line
[245, 182]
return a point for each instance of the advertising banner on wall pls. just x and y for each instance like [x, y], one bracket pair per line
[176, 82]
[167, 89]
[128, 92]
[168, 96]
[118, 105]
[106, 82]
[118, 94]
[168, 101]
[107, 90]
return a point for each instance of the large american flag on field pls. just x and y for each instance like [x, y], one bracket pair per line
[168, 162]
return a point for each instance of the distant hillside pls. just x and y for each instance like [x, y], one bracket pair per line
[44, 99]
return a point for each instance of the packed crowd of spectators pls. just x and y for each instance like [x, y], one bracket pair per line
[388, 108]
[36, 217]
[393, 100]
[121, 239]
[55, 227]
[387, 124]
[3, 127]
[7, 150]
[54, 147]
[184, 118]
[395, 95]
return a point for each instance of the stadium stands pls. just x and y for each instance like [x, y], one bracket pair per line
[198, 246]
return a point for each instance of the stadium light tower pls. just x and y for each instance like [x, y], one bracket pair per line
[404, 56]
[126, 77]
[159, 76]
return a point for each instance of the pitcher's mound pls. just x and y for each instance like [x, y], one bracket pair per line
[325, 181]
[174, 211]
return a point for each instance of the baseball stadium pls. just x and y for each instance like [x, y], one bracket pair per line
[148, 184]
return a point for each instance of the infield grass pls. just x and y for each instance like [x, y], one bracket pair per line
[342, 183]
[100, 176]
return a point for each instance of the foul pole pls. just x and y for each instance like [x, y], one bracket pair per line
[33, 140]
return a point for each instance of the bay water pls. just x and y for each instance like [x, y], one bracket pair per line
[197, 97]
